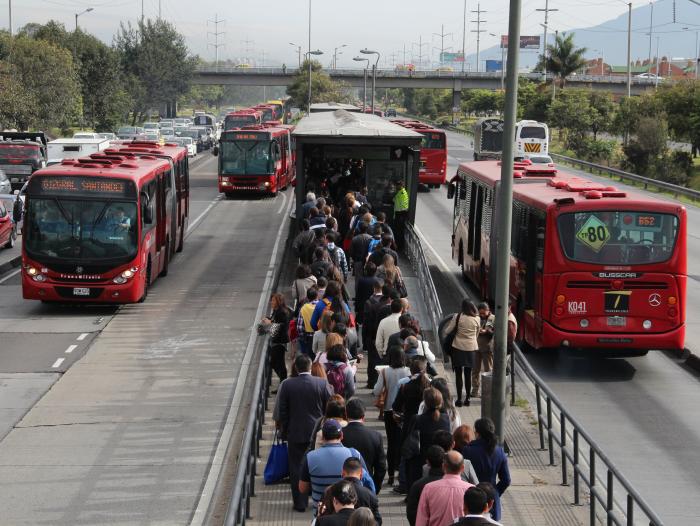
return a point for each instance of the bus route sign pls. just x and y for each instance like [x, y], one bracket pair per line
[594, 234]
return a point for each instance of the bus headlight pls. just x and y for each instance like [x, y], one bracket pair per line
[127, 274]
[119, 280]
[39, 277]
[32, 271]
[646, 324]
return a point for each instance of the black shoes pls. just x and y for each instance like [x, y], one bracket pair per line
[458, 403]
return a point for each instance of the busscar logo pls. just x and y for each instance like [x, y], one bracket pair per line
[79, 270]
[618, 275]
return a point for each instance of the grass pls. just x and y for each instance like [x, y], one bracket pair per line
[521, 403]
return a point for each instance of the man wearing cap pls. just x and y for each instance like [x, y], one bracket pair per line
[324, 466]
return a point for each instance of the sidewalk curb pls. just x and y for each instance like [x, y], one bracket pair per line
[9, 265]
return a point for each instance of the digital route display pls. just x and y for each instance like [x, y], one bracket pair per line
[82, 186]
[245, 136]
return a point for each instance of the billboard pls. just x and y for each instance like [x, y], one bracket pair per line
[451, 57]
[494, 65]
[526, 42]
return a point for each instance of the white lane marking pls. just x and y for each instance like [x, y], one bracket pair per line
[58, 363]
[194, 223]
[71, 348]
[221, 447]
[3, 280]
[82, 336]
[284, 202]
[447, 270]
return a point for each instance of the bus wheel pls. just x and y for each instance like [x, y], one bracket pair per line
[147, 282]
[181, 244]
[164, 272]
[13, 237]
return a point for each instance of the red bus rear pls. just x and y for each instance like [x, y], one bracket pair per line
[255, 159]
[591, 268]
[433, 152]
[239, 119]
[98, 230]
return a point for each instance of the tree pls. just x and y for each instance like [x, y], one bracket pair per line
[564, 59]
[602, 109]
[156, 63]
[648, 145]
[631, 109]
[18, 108]
[571, 113]
[323, 88]
[681, 103]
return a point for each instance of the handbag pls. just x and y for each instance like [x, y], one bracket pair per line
[401, 286]
[450, 338]
[277, 467]
[381, 399]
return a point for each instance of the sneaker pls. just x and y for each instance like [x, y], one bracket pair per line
[458, 403]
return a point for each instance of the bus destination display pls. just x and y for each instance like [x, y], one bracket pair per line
[247, 136]
[82, 186]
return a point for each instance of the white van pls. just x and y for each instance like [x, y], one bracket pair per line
[69, 148]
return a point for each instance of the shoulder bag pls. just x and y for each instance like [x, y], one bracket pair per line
[381, 399]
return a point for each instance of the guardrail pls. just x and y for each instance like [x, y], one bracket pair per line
[553, 429]
[556, 431]
[244, 483]
[675, 189]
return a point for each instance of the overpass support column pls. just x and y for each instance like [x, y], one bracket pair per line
[456, 98]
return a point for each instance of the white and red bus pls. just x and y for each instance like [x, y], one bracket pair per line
[591, 267]
[255, 159]
[98, 230]
[433, 152]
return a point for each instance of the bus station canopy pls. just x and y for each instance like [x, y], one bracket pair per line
[341, 123]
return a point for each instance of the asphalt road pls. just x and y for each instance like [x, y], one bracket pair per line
[642, 411]
[120, 415]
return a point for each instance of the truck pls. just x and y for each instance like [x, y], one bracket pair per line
[72, 148]
[488, 139]
[21, 154]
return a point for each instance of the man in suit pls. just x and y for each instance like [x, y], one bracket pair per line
[302, 401]
[436, 457]
[352, 472]
[367, 441]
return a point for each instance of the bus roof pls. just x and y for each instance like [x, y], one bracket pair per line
[347, 124]
[544, 188]
[169, 149]
[332, 106]
[101, 165]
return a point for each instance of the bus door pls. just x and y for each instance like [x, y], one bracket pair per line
[532, 251]
[160, 214]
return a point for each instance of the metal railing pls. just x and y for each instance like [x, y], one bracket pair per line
[244, 483]
[675, 189]
[557, 426]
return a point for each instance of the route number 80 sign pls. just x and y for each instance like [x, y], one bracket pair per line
[594, 234]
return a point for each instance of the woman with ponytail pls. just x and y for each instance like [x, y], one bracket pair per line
[489, 461]
[434, 418]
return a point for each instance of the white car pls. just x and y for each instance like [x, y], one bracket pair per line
[544, 160]
[189, 143]
[86, 135]
[5, 186]
[167, 133]
[107, 135]
[149, 126]
[650, 76]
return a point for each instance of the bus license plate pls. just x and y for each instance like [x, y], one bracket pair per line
[79, 291]
[616, 321]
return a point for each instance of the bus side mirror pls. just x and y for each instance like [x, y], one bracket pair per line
[450, 191]
[215, 151]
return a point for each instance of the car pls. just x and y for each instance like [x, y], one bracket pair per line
[167, 133]
[166, 123]
[448, 69]
[86, 135]
[8, 229]
[150, 126]
[183, 121]
[650, 76]
[543, 160]
[107, 135]
[150, 136]
[187, 142]
[391, 112]
[129, 132]
[5, 186]
[197, 137]
[206, 134]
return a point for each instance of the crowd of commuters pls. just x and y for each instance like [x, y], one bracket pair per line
[350, 303]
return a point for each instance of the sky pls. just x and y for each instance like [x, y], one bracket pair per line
[261, 32]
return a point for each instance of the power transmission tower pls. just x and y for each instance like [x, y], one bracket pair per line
[478, 31]
[248, 48]
[442, 36]
[546, 11]
[420, 45]
[216, 34]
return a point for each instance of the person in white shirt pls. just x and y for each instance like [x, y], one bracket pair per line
[388, 326]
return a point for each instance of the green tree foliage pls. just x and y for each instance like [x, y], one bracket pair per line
[156, 63]
[18, 108]
[482, 101]
[602, 108]
[647, 145]
[322, 87]
[681, 102]
[564, 58]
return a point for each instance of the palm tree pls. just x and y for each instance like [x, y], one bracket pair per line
[563, 58]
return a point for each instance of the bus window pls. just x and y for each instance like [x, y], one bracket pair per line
[533, 132]
[433, 141]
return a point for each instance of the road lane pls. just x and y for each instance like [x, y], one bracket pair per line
[640, 410]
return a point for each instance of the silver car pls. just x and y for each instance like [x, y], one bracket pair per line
[5, 186]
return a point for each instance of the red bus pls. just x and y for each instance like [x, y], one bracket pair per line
[591, 267]
[255, 159]
[433, 152]
[98, 230]
[177, 156]
[241, 118]
[267, 112]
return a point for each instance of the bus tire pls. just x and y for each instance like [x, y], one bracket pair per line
[166, 264]
[181, 244]
[147, 281]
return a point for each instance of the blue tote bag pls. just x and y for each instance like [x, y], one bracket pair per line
[277, 467]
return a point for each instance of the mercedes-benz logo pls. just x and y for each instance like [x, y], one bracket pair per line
[79, 270]
[654, 299]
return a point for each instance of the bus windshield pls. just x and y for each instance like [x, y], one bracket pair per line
[433, 141]
[618, 237]
[81, 229]
[533, 132]
[246, 157]
[238, 122]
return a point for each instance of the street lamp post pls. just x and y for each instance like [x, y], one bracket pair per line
[308, 59]
[364, 89]
[503, 63]
[298, 52]
[335, 55]
[374, 71]
[81, 13]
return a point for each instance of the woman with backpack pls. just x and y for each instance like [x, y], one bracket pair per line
[339, 373]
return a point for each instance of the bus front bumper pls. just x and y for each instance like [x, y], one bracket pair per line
[552, 337]
[102, 292]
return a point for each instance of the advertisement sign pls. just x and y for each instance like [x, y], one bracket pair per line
[451, 57]
[526, 42]
[494, 65]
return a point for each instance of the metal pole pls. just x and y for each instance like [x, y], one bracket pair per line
[656, 78]
[697, 52]
[629, 50]
[10, 13]
[364, 91]
[464, 36]
[503, 68]
[374, 82]
[651, 25]
[142, 11]
[159, 10]
[308, 58]
[505, 207]
[544, 47]
[554, 79]
[76, 21]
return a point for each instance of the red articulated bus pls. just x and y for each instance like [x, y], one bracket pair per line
[241, 118]
[267, 112]
[177, 156]
[255, 159]
[591, 267]
[433, 152]
[98, 230]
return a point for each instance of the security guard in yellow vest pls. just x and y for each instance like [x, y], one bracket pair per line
[400, 213]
